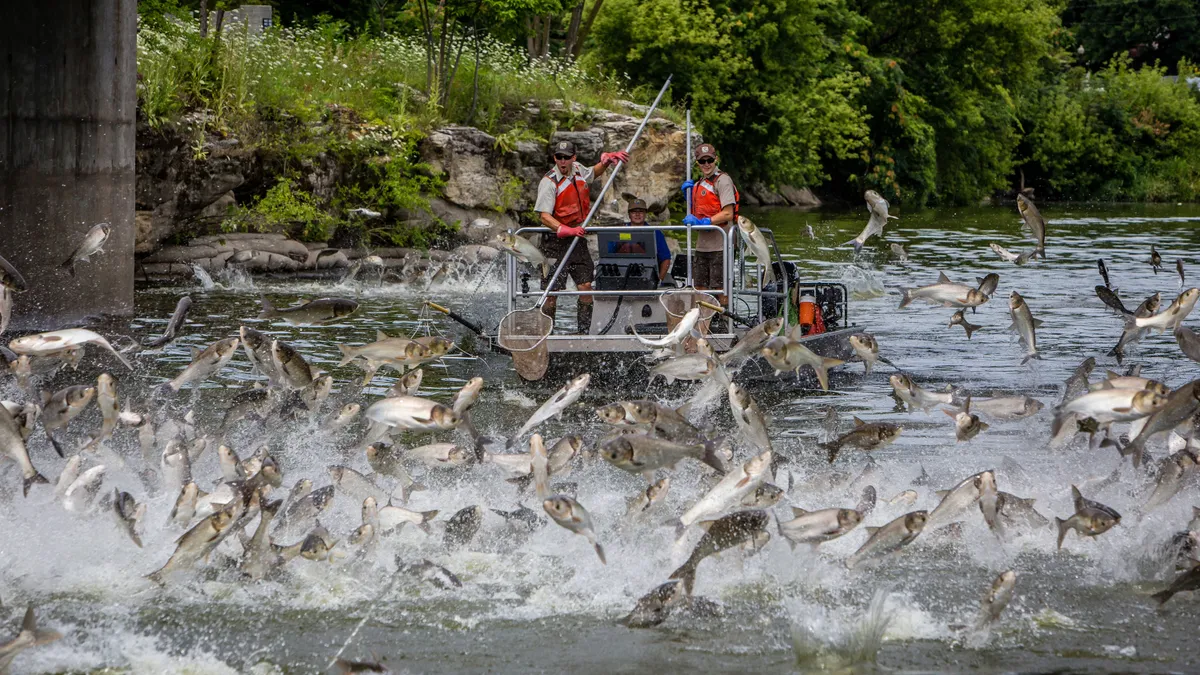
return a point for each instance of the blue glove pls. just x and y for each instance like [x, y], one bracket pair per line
[687, 185]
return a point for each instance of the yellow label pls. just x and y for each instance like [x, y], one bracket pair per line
[626, 236]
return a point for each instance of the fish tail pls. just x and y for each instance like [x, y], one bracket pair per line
[348, 354]
[1162, 597]
[712, 456]
[687, 574]
[54, 442]
[33, 480]
[268, 310]
[427, 516]
[1062, 530]
[905, 297]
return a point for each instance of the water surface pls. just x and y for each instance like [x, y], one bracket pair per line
[546, 604]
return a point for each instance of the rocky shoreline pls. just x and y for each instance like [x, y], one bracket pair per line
[185, 191]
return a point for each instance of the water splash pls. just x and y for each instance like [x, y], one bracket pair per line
[236, 278]
[203, 277]
[820, 643]
[861, 283]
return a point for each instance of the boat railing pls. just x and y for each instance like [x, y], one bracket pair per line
[727, 272]
[734, 255]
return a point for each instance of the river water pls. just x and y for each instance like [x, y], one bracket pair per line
[546, 604]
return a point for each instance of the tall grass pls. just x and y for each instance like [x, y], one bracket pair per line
[302, 71]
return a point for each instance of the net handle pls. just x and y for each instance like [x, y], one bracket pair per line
[562, 264]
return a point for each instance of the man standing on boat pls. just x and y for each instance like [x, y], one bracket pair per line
[563, 202]
[637, 218]
[714, 202]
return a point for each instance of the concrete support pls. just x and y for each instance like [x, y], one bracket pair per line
[68, 100]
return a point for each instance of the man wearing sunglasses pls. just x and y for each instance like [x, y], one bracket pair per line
[563, 202]
[714, 202]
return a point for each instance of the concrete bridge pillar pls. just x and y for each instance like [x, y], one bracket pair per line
[68, 99]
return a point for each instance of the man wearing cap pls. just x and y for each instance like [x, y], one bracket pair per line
[637, 218]
[563, 203]
[714, 202]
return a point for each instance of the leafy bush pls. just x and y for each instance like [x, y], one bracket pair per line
[1119, 134]
[285, 208]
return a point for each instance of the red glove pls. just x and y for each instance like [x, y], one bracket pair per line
[568, 231]
[610, 158]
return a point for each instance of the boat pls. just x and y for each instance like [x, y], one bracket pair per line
[628, 297]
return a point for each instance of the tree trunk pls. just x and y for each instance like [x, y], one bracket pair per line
[203, 18]
[587, 26]
[532, 32]
[573, 29]
[545, 47]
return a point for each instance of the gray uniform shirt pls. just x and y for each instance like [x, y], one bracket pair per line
[711, 240]
[546, 194]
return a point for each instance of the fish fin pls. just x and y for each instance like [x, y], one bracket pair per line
[905, 297]
[54, 442]
[33, 480]
[797, 511]
[1162, 597]
[1062, 530]
[943, 279]
[941, 494]
[268, 310]
[871, 530]
[427, 516]
[712, 454]
[858, 421]
[600, 552]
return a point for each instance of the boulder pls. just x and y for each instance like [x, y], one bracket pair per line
[470, 162]
[473, 254]
[799, 196]
[766, 195]
[476, 225]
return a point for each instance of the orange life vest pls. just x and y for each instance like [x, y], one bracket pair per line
[572, 200]
[706, 203]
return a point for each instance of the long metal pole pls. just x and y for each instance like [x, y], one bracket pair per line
[687, 197]
[562, 264]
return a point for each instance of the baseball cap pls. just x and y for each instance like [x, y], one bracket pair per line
[564, 147]
[638, 205]
[705, 150]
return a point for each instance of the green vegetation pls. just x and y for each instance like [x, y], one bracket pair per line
[944, 102]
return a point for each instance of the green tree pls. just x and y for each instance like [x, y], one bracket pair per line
[947, 110]
[1147, 31]
[764, 78]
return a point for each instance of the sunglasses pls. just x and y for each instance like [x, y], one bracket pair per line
[705, 160]
[563, 156]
